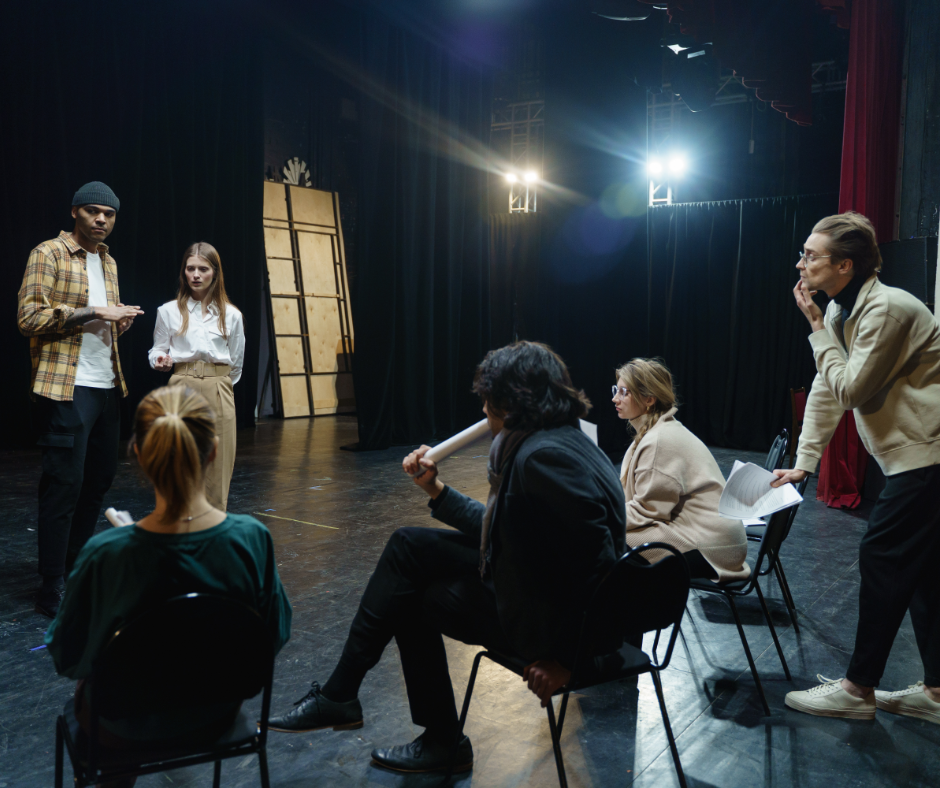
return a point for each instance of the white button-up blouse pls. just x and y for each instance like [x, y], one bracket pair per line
[203, 340]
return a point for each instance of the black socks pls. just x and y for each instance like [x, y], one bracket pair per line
[343, 684]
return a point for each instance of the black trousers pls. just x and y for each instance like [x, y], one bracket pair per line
[79, 441]
[898, 561]
[426, 584]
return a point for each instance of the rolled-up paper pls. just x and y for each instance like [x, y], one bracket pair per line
[116, 518]
[457, 442]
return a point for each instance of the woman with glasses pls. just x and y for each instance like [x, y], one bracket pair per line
[671, 480]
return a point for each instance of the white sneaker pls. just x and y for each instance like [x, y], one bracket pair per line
[911, 702]
[830, 700]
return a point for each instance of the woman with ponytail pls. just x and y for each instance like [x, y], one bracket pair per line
[200, 337]
[671, 480]
[184, 545]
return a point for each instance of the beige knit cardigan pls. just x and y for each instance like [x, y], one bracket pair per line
[672, 485]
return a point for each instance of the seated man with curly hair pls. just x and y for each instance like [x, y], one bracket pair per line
[513, 577]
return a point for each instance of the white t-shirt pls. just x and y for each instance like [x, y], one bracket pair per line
[94, 362]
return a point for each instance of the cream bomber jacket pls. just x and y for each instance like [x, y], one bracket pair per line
[888, 373]
[672, 485]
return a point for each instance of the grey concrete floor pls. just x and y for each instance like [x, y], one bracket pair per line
[331, 512]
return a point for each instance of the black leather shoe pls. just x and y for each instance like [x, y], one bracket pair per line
[314, 712]
[49, 598]
[425, 755]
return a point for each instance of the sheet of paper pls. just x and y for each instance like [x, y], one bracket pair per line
[748, 493]
[589, 429]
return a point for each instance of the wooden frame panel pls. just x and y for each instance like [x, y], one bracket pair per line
[312, 206]
[309, 298]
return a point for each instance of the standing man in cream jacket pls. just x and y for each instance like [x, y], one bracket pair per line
[877, 353]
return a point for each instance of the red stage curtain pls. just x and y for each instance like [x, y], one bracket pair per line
[869, 169]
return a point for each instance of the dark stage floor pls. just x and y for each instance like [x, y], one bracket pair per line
[331, 512]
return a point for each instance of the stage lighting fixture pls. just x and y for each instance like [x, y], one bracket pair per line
[511, 177]
[654, 167]
[677, 164]
[694, 76]
[531, 177]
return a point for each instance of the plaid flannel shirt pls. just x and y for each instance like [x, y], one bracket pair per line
[54, 286]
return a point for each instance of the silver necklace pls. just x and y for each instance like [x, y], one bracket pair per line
[194, 516]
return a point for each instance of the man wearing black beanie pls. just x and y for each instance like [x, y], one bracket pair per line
[70, 308]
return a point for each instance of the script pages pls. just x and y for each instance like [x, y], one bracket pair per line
[748, 494]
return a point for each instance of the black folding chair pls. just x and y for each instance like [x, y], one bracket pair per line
[663, 588]
[756, 532]
[191, 652]
[769, 545]
[778, 450]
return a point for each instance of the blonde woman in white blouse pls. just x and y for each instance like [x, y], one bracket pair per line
[201, 337]
[671, 480]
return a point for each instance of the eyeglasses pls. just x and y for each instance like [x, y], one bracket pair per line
[621, 390]
[809, 258]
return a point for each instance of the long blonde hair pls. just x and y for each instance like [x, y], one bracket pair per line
[174, 431]
[648, 377]
[216, 294]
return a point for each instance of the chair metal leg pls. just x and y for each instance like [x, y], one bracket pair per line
[463, 716]
[217, 775]
[672, 741]
[263, 767]
[556, 745]
[561, 712]
[747, 653]
[773, 631]
[787, 596]
[59, 754]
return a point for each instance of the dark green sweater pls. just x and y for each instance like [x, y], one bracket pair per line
[123, 572]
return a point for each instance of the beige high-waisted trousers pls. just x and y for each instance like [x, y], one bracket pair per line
[214, 382]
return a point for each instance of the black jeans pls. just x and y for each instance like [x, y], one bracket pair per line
[79, 441]
[426, 584]
[898, 561]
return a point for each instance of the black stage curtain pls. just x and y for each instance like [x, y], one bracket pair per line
[162, 103]
[722, 313]
[420, 302]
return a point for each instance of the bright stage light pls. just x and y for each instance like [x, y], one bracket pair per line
[531, 177]
[511, 177]
[677, 164]
[654, 167]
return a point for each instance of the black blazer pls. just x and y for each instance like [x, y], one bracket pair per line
[559, 525]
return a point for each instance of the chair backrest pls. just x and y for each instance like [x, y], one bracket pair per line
[773, 537]
[777, 451]
[641, 597]
[801, 489]
[798, 404]
[191, 651]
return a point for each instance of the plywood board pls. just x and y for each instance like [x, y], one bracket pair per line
[281, 277]
[312, 206]
[294, 396]
[332, 392]
[286, 313]
[277, 243]
[326, 340]
[316, 263]
[275, 201]
[290, 355]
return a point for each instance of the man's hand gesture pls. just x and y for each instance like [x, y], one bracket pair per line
[804, 300]
[424, 471]
[793, 476]
[545, 678]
